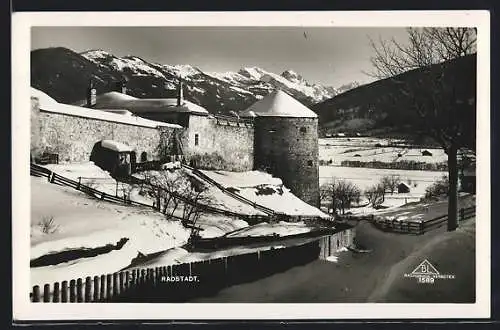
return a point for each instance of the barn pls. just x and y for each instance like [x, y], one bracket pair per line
[426, 153]
[403, 188]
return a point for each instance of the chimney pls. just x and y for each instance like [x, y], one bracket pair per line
[91, 94]
[180, 92]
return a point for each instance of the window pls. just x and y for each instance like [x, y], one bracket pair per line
[303, 130]
[309, 163]
[196, 139]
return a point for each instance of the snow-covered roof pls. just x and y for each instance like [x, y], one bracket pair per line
[113, 100]
[116, 146]
[48, 104]
[278, 104]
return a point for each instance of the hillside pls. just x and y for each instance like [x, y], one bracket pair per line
[64, 75]
[378, 108]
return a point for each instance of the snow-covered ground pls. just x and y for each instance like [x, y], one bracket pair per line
[84, 222]
[265, 190]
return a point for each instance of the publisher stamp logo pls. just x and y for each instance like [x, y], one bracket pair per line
[426, 273]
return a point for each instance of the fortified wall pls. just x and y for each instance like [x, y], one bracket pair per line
[232, 140]
[73, 137]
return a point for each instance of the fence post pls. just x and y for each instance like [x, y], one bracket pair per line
[88, 289]
[64, 291]
[36, 293]
[121, 287]
[96, 288]
[72, 291]
[79, 290]
[109, 288]
[79, 183]
[462, 214]
[115, 284]
[46, 293]
[103, 288]
[55, 294]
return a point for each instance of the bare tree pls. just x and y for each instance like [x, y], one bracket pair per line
[340, 194]
[375, 195]
[439, 93]
[390, 182]
[164, 187]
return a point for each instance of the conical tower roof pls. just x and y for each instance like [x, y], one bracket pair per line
[278, 104]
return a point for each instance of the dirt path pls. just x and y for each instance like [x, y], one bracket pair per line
[374, 276]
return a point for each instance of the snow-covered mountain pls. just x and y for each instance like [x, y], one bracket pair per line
[218, 92]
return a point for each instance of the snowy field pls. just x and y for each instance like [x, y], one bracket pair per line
[366, 177]
[366, 149]
[363, 178]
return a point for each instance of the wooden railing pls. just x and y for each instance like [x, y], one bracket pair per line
[413, 227]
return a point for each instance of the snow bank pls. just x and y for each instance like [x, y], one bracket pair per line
[282, 201]
[242, 179]
[85, 222]
[282, 229]
[116, 146]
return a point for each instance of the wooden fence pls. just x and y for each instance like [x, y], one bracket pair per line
[52, 177]
[159, 283]
[413, 227]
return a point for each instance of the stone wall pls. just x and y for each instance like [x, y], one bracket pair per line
[35, 126]
[232, 141]
[288, 148]
[73, 137]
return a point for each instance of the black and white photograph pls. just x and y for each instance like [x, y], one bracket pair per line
[226, 163]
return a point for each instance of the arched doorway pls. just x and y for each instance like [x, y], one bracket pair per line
[144, 157]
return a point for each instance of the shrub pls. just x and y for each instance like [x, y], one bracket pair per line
[438, 188]
[208, 161]
[47, 225]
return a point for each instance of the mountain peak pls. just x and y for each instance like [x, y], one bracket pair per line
[291, 75]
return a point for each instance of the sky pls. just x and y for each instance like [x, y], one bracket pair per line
[331, 56]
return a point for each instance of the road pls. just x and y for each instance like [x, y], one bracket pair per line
[377, 276]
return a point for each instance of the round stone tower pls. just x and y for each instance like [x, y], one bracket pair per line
[286, 143]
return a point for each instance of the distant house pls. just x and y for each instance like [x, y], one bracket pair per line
[403, 188]
[340, 134]
[426, 153]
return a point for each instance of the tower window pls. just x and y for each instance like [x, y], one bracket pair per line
[310, 163]
[303, 129]
[196, 139]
